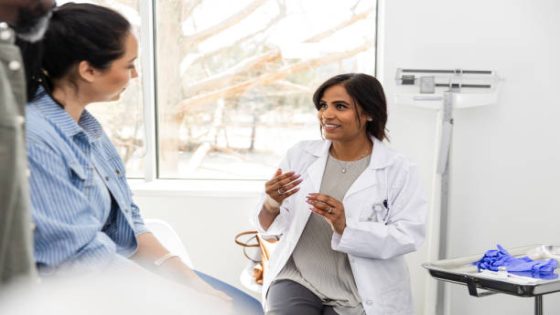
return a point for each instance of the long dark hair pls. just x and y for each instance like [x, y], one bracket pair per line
[81, 32]
[367, 93]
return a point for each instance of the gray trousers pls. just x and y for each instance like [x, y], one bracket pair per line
[286, 297]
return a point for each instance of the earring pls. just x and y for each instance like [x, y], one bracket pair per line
[369, 119]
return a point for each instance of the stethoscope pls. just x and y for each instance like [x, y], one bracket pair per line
[379, 209]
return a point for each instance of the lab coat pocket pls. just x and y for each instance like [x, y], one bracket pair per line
[375, 212]
[367, 214]
[395, 302]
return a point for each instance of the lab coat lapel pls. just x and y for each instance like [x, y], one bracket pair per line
[312, 183]
[317, 168]
[366, 180]
[379, 159]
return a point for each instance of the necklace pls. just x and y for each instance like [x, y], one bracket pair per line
[346, 166]
[343, 166]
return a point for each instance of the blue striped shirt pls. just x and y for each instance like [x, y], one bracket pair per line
[82, 204]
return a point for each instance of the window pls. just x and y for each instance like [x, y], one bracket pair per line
[233, 85]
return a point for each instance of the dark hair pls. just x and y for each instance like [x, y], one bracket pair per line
[367, 93]
[31, 54]
[81, 32]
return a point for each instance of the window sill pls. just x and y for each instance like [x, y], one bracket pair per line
[198, 188]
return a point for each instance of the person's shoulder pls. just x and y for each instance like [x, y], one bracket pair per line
[38, 129]
[396, 160]
[36, 126]
[301, 154]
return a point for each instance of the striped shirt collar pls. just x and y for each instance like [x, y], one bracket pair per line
[55, 114]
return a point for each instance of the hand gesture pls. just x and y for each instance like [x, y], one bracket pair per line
[282, 185]
[330, 209]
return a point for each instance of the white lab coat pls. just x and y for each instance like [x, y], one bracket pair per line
[374, 240]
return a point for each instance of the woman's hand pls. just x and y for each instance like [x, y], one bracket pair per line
[330, 209]
[150, 249]
[278, 188]
[282, 185]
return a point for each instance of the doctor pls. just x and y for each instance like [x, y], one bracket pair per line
[345, 209]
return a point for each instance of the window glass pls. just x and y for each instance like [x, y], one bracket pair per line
[235, 83]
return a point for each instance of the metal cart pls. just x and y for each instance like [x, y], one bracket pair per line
[462, 271]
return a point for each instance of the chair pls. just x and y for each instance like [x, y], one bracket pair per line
[169, 239]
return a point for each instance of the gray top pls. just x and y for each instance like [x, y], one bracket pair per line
[15, 220]
[313, 263]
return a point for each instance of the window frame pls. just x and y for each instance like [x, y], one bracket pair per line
[149, 84]
[148, 16]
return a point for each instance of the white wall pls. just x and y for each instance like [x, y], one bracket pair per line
[505, 167]
[206, 220]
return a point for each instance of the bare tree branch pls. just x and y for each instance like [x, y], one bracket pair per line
[210, 139]
[188, 6]
[130, 145]
[232, 73]
[198, 37]
[199, 58]
[267, 78]
[288, 86]
[355, 18]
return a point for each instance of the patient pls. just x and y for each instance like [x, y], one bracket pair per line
[82, 205]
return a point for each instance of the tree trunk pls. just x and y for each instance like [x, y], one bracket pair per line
[169, 83]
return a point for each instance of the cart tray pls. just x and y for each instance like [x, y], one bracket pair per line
[462, 271]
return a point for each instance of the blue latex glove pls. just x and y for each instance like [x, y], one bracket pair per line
[494, 259]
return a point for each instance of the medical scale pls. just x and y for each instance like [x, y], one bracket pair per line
[444, 90]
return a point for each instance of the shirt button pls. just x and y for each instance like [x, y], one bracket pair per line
[369, 302]
[14, 65]
[20, 119]
[107, 178]
[28, 172]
